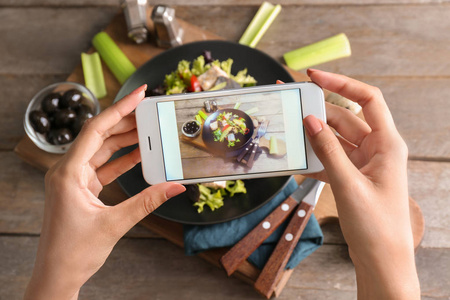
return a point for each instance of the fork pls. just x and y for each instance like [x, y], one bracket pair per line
[253, 146]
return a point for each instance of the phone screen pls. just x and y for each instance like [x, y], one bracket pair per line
[228, 131]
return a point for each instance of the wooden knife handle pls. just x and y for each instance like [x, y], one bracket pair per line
[274, 268]
[244, 151]
[236, 255]
[252, 155]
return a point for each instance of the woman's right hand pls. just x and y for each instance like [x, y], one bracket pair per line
[366, 168]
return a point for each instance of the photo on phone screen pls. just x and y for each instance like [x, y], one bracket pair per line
[229, 130]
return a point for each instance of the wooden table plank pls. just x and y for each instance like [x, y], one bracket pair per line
[142, 267]
[70, 3]
[391, 45]
[390, 40]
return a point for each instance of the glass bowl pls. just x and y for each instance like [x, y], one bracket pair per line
[39, 139]
[190, 124]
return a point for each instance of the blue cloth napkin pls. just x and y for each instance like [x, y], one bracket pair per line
[201, 238]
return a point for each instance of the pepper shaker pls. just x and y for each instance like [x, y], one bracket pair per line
[135, 12]
[167, 30]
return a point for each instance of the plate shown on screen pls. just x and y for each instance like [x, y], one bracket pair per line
[259, 65]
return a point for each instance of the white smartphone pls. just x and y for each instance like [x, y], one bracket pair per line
[251, 132]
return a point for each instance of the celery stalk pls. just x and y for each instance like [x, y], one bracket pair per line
[115, 59]
[264, 17]
[93, 74]
[237, 105]
[273, 146]
[202, 114]
[323, 51]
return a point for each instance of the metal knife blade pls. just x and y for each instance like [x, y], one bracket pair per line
[273, 270]
[242, 250]
[304, 189]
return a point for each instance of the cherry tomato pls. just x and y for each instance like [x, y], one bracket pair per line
[195, 85]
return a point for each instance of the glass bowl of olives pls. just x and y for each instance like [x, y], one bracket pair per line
[191, 128]
[56, 114]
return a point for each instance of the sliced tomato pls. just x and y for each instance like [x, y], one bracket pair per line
[195, 85]
[225, 127]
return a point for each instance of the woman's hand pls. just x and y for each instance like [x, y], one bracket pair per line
[79, 231]
[366, 168]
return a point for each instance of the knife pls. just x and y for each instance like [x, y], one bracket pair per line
[242, 250]
[273, 270]
[253, 143]
[261, 132]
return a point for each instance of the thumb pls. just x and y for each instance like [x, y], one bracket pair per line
[328, 149]
[129, 212]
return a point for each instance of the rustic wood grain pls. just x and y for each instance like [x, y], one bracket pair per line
[212, 2]
[391, 42]
[398, 45]
[138, 268]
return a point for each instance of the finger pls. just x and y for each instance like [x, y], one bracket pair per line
[112, 145]
[126, 124]
[329, 150]
[130, 212]
[110, 171]
[369, 97]
[347, 124]
[279, 81]
[97, 129]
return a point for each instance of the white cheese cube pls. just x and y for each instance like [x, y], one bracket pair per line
[213, 125]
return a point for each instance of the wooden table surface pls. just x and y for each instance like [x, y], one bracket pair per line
[401, 46]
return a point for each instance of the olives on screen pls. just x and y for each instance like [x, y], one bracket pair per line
[50, 103]
[64, 117]
[191, 127]
[59, 136]
[39, 121]
[71, 99]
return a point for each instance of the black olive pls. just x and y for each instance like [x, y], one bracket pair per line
[193, 192]
[71, 99]
[59, 136]
[64, 118]
[191, 127]
[39, 121]
[84, 111]
[78, 124]
[50, 103]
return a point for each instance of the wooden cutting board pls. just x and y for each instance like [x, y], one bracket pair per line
[138, 54]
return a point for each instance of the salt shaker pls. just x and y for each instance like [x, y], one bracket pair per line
[167, 30]
[135, 12]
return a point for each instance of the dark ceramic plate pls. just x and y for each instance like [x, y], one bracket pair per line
[222, 147]
[265, 70]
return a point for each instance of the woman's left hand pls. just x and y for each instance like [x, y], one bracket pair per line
[79, 231]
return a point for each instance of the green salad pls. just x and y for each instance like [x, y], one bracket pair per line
[203, 74]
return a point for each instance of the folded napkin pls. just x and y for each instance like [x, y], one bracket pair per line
[201, 238]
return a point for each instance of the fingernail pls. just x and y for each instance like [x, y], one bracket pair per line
[313, 125]
[309, 71]
[280, 82]
[139, 90]
[174, 190]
